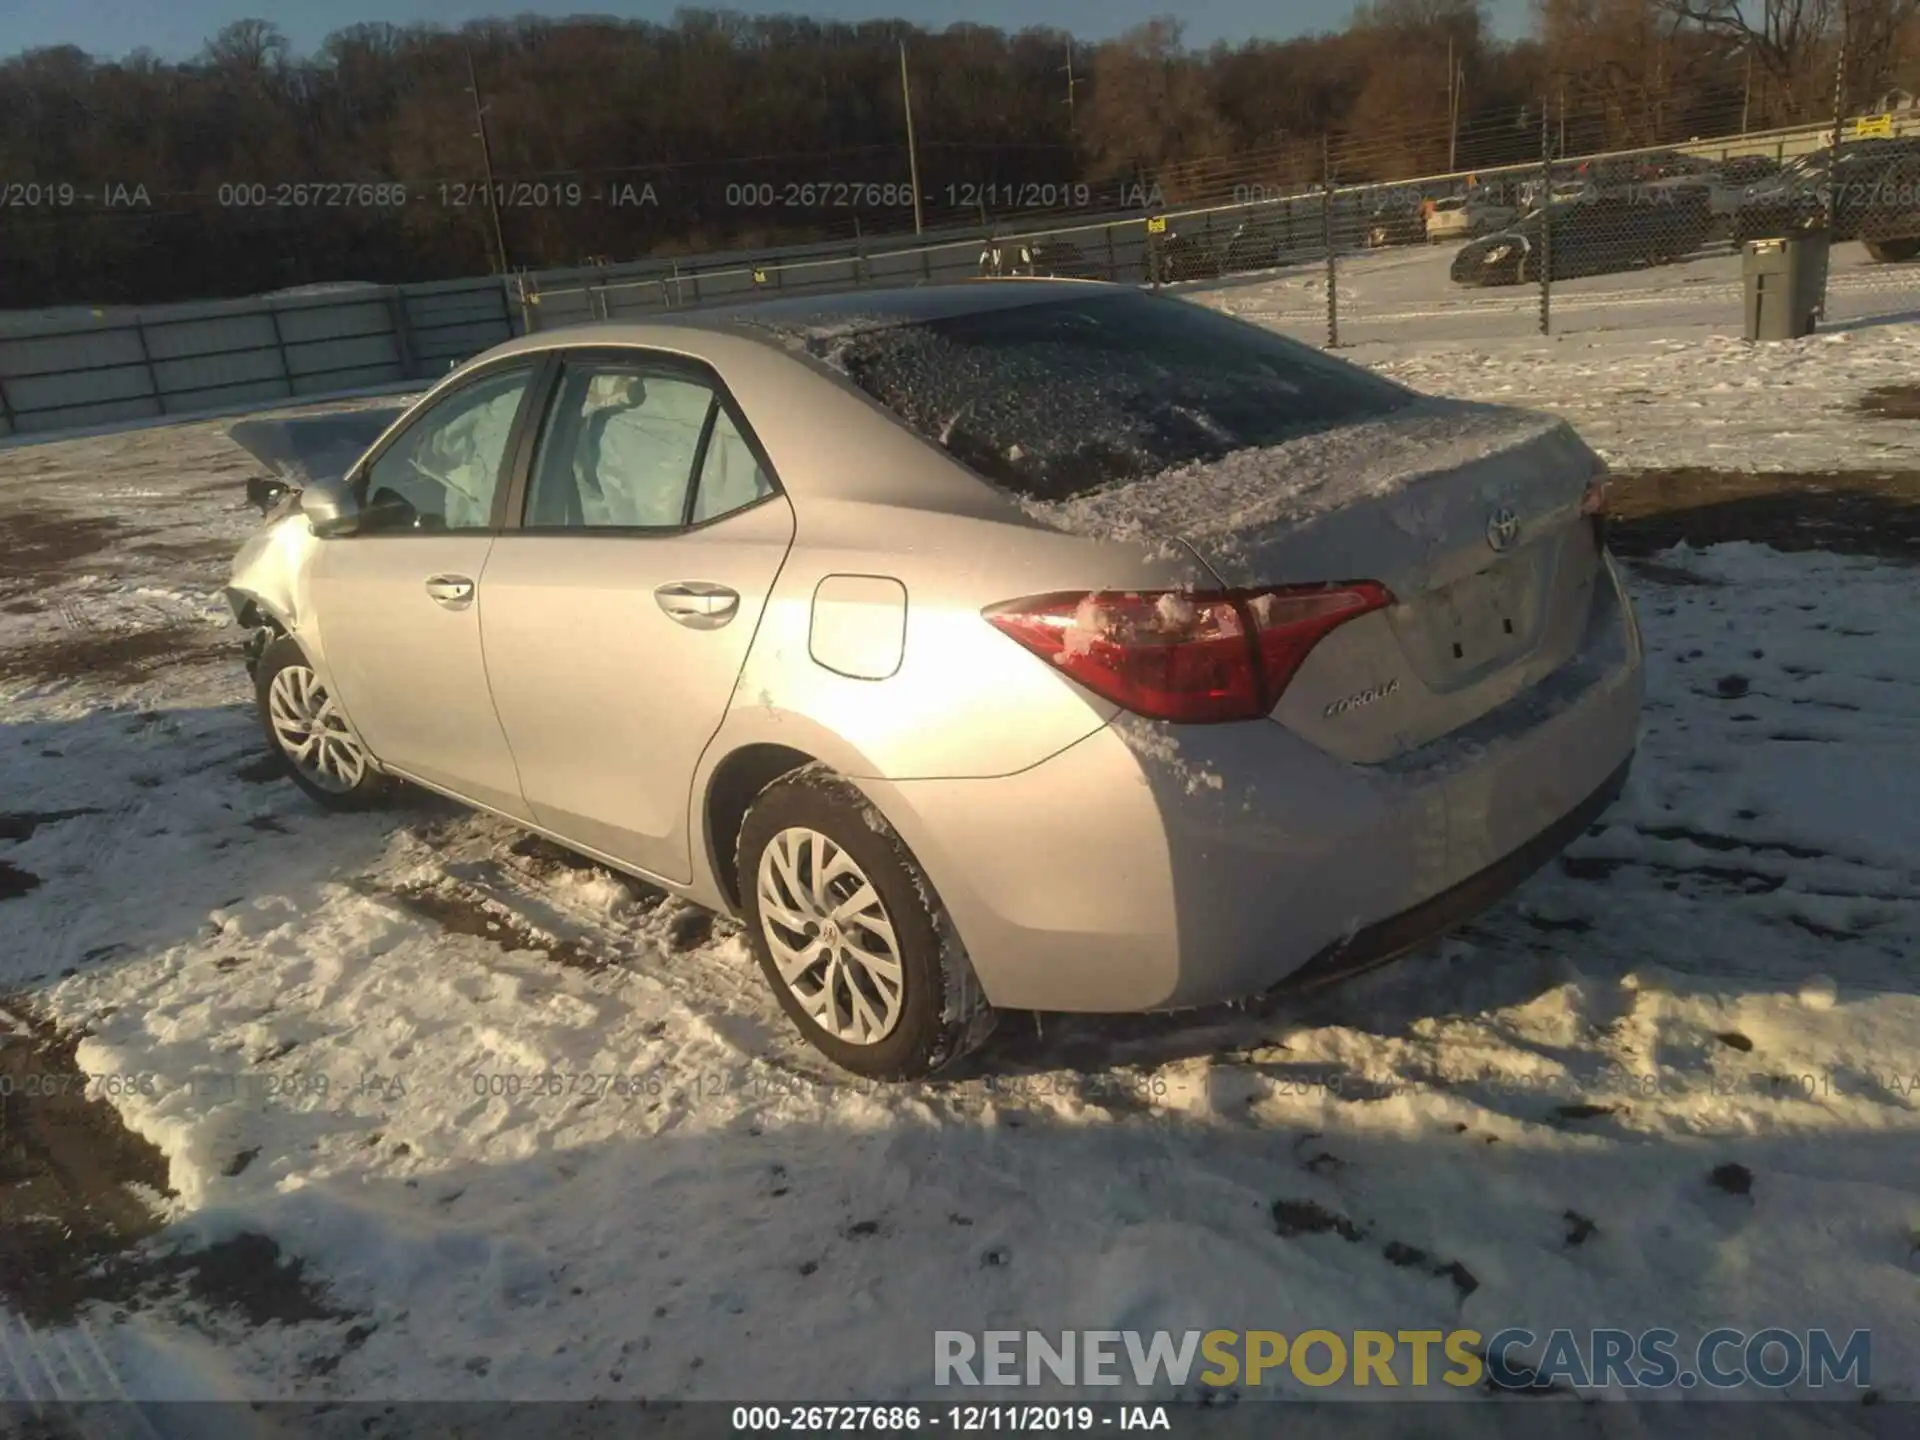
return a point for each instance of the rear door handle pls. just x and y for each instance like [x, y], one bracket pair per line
[453, 591]
[698, 604]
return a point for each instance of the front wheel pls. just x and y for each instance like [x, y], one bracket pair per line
[310, 734]
[848, 931]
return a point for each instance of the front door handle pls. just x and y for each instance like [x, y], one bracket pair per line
[455, 592]
[698, 604]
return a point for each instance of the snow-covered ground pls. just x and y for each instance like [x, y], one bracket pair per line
[336, 1028]
[1650, 365]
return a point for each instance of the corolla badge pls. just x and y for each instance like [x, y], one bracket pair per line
[1365, 697]
[1503, 528]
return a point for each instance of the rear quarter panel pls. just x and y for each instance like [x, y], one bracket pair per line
[964, 700]
[871, 498]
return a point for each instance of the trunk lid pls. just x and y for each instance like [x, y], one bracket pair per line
[1469, 514]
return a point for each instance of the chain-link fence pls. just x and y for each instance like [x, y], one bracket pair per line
[1550, 246]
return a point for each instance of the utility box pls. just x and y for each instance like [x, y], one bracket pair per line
[1785, 281]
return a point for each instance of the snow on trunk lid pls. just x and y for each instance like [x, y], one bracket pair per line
[1469, 514]
[1405, 499]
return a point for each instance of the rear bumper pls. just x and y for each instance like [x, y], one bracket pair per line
[1388, 939]
[1162, 867]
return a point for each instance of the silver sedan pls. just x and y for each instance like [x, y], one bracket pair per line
[1010, 644]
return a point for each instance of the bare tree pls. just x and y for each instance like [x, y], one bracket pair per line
[251, 47]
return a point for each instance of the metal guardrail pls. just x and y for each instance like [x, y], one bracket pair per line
[61, 371]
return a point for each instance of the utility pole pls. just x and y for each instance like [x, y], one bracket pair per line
[1746, 92]
[1453, 111]
[913, 155]
[486, 163]
[1832, 205]
[1072, 82]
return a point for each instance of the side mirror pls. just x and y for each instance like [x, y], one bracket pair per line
[330, 507]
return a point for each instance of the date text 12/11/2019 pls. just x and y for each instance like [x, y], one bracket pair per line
[971, 1418]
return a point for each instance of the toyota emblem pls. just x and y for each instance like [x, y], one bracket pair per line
[1503, 528]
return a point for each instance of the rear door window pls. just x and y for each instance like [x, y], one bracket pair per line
[1054, 399]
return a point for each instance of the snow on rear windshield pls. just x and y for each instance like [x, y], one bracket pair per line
[1056, 399]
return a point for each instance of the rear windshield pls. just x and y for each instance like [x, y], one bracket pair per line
[1052, 400]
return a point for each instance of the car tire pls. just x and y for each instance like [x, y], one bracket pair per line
[938, 1014]
[293, 704]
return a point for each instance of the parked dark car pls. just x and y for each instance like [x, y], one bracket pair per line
[1266, 242]
[1396, 225]
[1876, 194]
[1747, 169]
[1888, 223]
[1185, 257]
[1059, 258]
[1590, 237]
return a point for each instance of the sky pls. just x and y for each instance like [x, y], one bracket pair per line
[176, 30]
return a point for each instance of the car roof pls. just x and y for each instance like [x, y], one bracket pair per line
[818, 316]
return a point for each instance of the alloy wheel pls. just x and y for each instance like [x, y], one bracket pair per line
[830, 936]
[312, 732]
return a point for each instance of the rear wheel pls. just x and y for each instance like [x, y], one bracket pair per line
[310, 734]
[850, 934]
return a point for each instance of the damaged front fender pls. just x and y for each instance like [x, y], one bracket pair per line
[263, 588]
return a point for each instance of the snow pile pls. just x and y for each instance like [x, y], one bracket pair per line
[1649, 367]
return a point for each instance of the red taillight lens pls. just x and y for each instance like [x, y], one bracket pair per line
[1189, 656]
[1292, 621]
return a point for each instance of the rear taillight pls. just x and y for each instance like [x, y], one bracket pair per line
[1193, 656]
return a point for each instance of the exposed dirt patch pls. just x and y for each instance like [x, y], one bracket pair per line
[1891, 402]
[1309, 1217]
[15, 882]
[246, 1274]
[1734, 1179]
[42, 541]
[192, 552]
[74, 1228]
[460, 912]
[1580, 1228]
[263, 768]
[66, 1163]
[122, 656]
[21, 824]
[1847, 512]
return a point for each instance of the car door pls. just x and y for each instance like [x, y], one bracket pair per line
[1586, 237]
[397, 603]
[623, 596]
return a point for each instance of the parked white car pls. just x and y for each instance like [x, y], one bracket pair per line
[1461, 217]
[1576, 190]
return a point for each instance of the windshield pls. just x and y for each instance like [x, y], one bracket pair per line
[1059, 398]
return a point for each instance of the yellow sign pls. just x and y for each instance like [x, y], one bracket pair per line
[1156, 225]
[759, 277]
[1873, 127]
